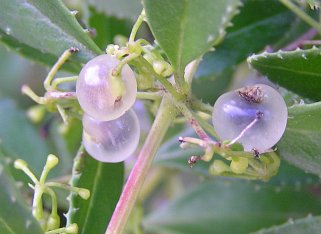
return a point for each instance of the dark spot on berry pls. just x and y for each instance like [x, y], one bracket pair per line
[259, 114]
[118, 102]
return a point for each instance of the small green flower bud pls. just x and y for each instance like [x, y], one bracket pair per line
[120, 40]
[111, 49]
[36, 113]
[239, 165]
[53, 222]
[168, 70]
[72, 229]
[20, 164]
[159, 67]
[52, 161]
[84, 193]
[218, 167]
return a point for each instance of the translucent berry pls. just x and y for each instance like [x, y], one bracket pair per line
[254, 116]
[111, 141]
[101, 95]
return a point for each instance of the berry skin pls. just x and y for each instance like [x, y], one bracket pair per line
[111, 141]
[101, 95]
[259, 109]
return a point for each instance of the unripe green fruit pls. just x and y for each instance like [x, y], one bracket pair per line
[239, 165]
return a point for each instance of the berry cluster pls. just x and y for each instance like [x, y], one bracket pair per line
[110, 128]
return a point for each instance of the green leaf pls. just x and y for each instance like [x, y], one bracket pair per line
[107, 27]
[121, 9]
[210, 86]
[43, 30]
[259, 23]
[15, 216]
[300, 144]
[298, 71]
[105, 183]
[230, 207]
[33, 54]
[178, 159]
[314, 4]
[311, 225]
[14, 72]
[190, 27]
[20, 138]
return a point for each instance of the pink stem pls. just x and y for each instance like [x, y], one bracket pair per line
[164, 118]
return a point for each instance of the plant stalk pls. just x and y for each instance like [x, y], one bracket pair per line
[165, 115]
[147, 68]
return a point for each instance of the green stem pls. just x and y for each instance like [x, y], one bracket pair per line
[136, 26]
[147, 68]
[116, 72]
[305, 17]
[179, 81]
[201, 106]
[25, 89]
[163, 120]
[148, 96]
[62, 186]
[192, 121]
[61, 60]
[54, 205]
[37, 207]
[59, 81]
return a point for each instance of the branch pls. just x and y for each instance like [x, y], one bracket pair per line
[163, 120]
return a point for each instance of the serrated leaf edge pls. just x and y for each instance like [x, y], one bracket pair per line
[281, 54]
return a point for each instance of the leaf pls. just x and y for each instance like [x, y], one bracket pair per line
[34, 54]
[107, 27]
[121, 9]
[105, 181]
[15, 216]
[178, 159]
[311, 225]
[43, 30]
[298, 71]
[314, 4]
[251, 33]
[230, 207]
[20, 138]
[210, 86]
[14, 72]
[190, 27]
[300, 144]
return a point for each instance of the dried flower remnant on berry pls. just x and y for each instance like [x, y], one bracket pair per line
[252, 94]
